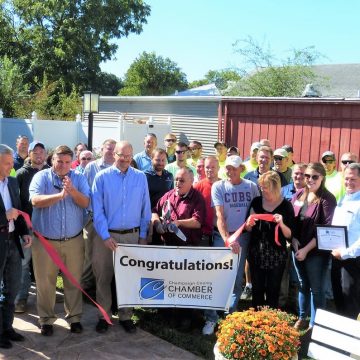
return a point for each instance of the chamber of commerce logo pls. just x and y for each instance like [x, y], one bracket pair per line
[151, 289]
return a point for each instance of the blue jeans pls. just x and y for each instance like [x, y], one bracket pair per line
[311, 273]
[244, 243]
[10, 272]
[25, 276]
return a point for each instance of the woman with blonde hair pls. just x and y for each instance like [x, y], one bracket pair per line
[313, 205]
[266, 258]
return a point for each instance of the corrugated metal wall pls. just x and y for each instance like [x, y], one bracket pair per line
[193, 118]
[311, 126]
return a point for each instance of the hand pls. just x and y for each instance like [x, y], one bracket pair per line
[250, 222]
[301, 255]
[159, 228]
[295, 244]
[12, 214]
[278, 219]
[67, 184]
[27, 241]
[235, 247]
[336, 253]
[143, 241]
[111, 244]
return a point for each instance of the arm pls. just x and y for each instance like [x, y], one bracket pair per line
[145, 213]
[221, 223]
[302, 253]
[188, 223]
[79, 198]
[42, 201]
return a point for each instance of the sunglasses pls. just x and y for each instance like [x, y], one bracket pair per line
[86, 158]
[278, 158]
[346, 162]
[170, 140]
[180, 152]
[328, 161]
[313, 177]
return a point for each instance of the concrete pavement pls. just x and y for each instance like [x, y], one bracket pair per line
[89, 345]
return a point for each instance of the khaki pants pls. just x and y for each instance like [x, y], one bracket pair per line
[87, 279]
[103, 268]
[71, 253]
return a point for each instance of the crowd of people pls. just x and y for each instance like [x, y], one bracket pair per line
[85, 205]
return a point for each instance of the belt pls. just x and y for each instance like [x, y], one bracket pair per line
[126, 231]
[217, 230]
[65, 238]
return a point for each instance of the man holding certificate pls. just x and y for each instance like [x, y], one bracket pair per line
[346, 262]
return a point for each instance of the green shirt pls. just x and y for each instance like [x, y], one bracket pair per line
[335, 184]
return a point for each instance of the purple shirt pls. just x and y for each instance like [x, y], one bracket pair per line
[182, 208]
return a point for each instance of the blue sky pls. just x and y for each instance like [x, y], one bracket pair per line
[198, 34]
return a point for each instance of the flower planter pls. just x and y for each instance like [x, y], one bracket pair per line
[219, 356]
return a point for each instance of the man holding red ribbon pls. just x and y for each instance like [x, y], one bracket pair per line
[231, 199]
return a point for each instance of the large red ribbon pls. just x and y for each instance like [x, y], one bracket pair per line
[59, 263]
[265, 217]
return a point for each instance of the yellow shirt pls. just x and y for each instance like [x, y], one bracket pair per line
[335, 184]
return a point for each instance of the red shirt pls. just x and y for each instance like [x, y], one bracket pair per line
[204, 187]
[75, 164]
[182, 208]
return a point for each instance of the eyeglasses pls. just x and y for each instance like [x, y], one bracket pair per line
[86, 158]
[328, 161]
[57, 184]
[313, 177]
[180, 152]
[346, 162]
[278, 158]
[170, 140]
[125, 157]
[22, 137]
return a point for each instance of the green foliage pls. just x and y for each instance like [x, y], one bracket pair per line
[150, 74]
[219, 77]
[264, 75]
[12, 87]
[66, 39]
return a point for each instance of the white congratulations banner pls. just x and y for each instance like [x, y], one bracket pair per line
[170, 276]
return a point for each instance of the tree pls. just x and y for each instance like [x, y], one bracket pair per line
[264, 75]
[219, 77]
[66, 39]
[108, 84]
[153, 75]
[12, 87]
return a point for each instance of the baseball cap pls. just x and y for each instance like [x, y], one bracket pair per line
[281, 152]
[255, 145]
[329, 154]
[233, 148]
[219, 143]
[288, 148]
[34, 144]
[233, 160]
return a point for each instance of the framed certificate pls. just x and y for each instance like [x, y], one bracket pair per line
[331, 237]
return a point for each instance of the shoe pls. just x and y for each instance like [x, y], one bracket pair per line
[246, 294]
[20, 306]
[46, 330]
[13, 335]
[209, 328]
[102, 326]
[5, 343]
[76, 328]
[128, 326]
[301, 324]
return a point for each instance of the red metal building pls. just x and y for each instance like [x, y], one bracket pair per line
[310, 125]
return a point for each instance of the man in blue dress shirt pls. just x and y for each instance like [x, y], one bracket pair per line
[59, 196]
[121, 205]
[143, 159]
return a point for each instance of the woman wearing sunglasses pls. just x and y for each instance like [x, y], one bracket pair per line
[313, 205]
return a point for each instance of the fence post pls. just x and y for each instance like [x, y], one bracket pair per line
[34, 124]
[78, 128]
[1, 125]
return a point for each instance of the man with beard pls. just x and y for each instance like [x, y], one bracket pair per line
[24, 175]
[143, 159]
[160, 181]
